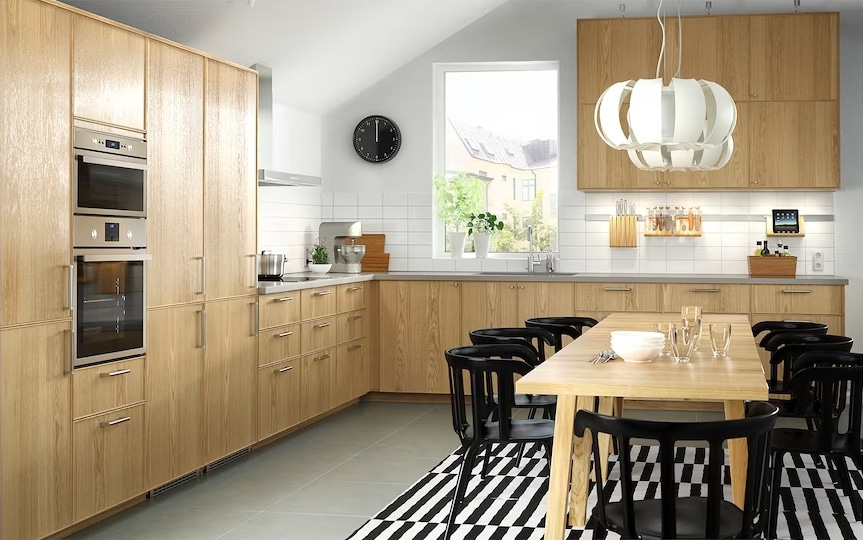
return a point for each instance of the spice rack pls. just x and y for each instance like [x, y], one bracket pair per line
[673, 221]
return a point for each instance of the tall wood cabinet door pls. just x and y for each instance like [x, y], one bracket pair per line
[109, 460]
[394, 334]
[601, 167]
[435, 325]
[35, 430]
[351, 377]
[317, 383]
[794, 144]
[175, 161]
[614, 50]
[279, 397]
[794, 57]
[490, 304]
[175, 375]
[545, 300]
[230, 186]
[34, 163]
[108, 74]
[230, 368]
[714, 48]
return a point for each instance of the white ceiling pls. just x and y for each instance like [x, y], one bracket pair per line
[323, 52]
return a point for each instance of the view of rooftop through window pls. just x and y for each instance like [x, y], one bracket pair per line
[501, 129]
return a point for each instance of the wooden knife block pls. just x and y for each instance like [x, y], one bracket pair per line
[622, 231]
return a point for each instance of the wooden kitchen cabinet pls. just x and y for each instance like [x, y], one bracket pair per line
[317, 382]
[230, 368]
[108, 77]
[418, 321]
[488, 304]
[350, 297]
[319, 302]
[794, 145]
[230, 186]
[318, 334]
[352, 325]
[279, 397]
[279, 309]
[537, 299]
[794, 57]
[814, 299]
[35, 430]
[351, 374]
[35, 163]
[279, 343]
[712, 297]
[175, 393]
[107, 386]
[109, 460]
[175, 175]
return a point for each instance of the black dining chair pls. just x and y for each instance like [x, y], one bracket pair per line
[476, 366]
[672, 516]
[800, 327]
[825, 386]
[562, 326]
[785, 347]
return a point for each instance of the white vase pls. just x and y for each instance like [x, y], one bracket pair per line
[481, 240]
[320, 268]
[456, 243]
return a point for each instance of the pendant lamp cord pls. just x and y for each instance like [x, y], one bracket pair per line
[662, 49]
[679, 40]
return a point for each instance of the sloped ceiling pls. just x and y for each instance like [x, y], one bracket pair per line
[323, 52]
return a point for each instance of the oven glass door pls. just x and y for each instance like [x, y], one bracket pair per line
[110, 310]
[109, 186]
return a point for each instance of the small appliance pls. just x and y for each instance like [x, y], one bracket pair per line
[339, 238]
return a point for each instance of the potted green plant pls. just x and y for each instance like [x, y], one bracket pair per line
[456, 199]
[481, 227]
[320, 258]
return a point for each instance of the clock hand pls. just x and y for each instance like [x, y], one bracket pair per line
[376, 131]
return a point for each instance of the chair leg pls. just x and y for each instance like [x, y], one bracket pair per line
[485, 460]
[847, 487]
[547, 446]
[461, 484]
[773, 515]
[810, 424]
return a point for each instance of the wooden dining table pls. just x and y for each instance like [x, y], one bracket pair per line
[568, 374]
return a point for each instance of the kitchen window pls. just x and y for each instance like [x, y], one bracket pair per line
[501, 119]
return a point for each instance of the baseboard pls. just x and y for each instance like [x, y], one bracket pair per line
[92, 520]
[399, 397]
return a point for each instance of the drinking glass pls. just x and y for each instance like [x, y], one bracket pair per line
[664, 328]
[720, 338]
[682, 341]
[691, 316]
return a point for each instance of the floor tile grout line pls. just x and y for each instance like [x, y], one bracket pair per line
[259, 512]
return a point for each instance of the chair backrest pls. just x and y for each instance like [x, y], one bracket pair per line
[756, 429]
[793, 345]
[534, 338]
[787, 326]
[776, 339]
[562, 326]
[483, 367]
[829, 385]
[822, 358]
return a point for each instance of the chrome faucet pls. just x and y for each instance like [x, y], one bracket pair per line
[532, 259]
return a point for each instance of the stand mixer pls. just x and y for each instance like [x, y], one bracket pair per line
[339, 238]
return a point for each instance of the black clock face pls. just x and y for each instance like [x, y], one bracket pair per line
[377, 139]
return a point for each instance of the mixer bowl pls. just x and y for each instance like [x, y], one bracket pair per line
[352, 254]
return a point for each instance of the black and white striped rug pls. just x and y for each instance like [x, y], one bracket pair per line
[510, 504]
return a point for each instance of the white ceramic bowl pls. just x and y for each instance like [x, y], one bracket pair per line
[629, 336]
[636, 353]
[320, 268]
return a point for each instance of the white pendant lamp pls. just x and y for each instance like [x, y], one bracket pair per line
[685, 125]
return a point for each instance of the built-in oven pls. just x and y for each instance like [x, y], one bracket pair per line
[109, 174]
[109, 296]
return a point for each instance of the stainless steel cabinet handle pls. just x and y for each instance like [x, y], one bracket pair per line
[351, 289]
[115, 373]
[321, 293]
[72, 344]
[284, 369]
[203, 328]
[284, 299]
[203, 275]
[322, 325]
[521, 286]
[283, 334]
[113, 163]
[512, 286]
[455, 285]
[796, 291]
[355, 347]
[706, 290]
[615, 289]
[71, 287]
[115, 422]
[324, 357]
[355, 317]
[796, 320]
[257, 319]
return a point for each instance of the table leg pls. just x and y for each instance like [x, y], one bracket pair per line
[738, 454]
[606, 406]
[561, 460]
[580, 471]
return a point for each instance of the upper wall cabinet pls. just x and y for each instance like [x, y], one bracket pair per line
[610, 52]
[794, 57]
[35, 186]
[108, 74]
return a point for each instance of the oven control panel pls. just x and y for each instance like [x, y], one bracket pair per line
[109, 232]
[87, 139]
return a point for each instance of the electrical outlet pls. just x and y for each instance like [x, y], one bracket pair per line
[817, 261]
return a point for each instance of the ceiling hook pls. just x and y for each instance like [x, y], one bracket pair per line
[623, 10]
[708, 5]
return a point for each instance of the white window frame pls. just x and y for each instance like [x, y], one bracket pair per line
[439, 71]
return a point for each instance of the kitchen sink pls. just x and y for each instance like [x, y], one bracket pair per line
[523, 274]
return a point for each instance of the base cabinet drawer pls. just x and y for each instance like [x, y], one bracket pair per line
[318, 302]
[279, 343]
[713, 298]
[279, 309]
[815, 299]
[107, 386]
[617, 296]
[352, 325]
[318, 334]
[351, 378]
[316, 375]
[279, 391]
[351, 297]
[109, 460]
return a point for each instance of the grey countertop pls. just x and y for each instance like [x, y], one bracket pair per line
[272, 287]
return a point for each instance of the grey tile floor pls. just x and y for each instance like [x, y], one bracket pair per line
[320, 483]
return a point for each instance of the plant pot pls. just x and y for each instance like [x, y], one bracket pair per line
[456, 243]
[481, 241]
[320, 268]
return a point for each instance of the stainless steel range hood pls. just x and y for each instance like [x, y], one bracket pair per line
[267, 176]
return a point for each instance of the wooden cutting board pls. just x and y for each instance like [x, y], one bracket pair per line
[376, 262]
[374, 243]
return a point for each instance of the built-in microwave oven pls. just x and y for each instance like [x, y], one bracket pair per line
[109, 174]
